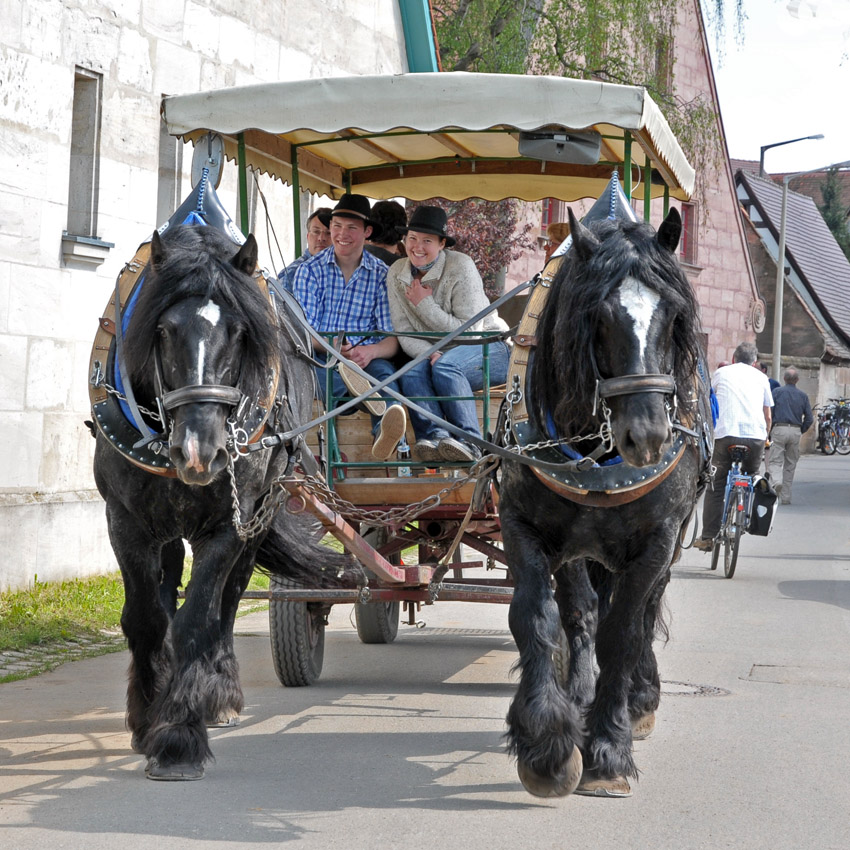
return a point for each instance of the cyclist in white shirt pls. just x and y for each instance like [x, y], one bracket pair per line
[744, 398]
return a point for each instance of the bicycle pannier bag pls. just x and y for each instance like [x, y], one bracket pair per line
[764, 507]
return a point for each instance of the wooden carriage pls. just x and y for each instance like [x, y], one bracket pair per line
[418, 136]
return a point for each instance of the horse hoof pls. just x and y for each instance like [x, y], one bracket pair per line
[173, 772]
[541, 786]
[642, 727]
[223, 722]
[594, 786]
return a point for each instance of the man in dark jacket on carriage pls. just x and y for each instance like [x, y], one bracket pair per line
[343, 288]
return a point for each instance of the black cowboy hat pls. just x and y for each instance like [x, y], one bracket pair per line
[357, 206]
[427, 219]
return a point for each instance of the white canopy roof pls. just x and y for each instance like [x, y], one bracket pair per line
[453, 135]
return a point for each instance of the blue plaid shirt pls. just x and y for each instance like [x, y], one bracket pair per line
[332, 305]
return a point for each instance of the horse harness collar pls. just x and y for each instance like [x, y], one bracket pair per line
[149, 451]
[581, 479]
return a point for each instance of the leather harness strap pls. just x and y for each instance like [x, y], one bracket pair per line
[107, 412]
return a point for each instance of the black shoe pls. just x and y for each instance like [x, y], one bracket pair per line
[456, 450]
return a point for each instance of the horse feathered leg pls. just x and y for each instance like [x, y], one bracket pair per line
[144, 620]
[645, 690]
[226, 701]
[621, 642]
[177, 744]
[577, 603]
[544, 727]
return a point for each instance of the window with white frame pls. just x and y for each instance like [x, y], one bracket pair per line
[83, 184]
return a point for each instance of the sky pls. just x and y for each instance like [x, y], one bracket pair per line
[789, 78]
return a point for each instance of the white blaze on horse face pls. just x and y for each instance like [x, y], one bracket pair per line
[212, 314]
[640, 302]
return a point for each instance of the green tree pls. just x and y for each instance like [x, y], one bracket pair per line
[835, 211]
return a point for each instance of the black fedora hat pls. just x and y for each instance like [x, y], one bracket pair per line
[427, 219]
[356, 206]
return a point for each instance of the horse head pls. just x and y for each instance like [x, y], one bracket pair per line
[202, 340]
[623, 339]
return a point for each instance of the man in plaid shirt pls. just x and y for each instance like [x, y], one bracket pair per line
[343, 288]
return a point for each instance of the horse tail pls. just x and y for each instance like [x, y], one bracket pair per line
[291, 550]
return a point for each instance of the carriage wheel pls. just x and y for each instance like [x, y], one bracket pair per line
[297, 633]
[377, 622]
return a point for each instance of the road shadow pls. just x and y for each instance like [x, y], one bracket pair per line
[824, 591]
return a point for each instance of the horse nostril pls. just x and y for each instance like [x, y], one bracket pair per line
[219, 462]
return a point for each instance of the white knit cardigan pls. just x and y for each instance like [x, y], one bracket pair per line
[458, 294]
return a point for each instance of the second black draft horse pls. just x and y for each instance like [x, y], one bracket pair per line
[202, 337]
[618, 340]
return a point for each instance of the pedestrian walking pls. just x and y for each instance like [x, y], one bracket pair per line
[792, 417]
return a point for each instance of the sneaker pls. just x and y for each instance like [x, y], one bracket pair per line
[357, 385]
[455, 450]
[426, 451]
[393, 426]
[704, 544]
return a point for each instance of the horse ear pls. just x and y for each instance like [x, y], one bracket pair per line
[157, 253]
[670, 231]
[584, 242]
[245, 259]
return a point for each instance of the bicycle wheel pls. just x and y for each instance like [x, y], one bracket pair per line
[842, 445]
[732, 538]
[830, 440]
[715, 551]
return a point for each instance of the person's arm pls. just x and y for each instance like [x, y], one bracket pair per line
[363, 355]
[808, 417]
[400, 319]
[467, 296]
[305, 288]
[768, 418]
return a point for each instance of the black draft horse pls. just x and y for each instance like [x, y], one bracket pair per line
[201, 322]
[619, 305]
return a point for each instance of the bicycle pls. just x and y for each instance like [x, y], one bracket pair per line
[737, 510]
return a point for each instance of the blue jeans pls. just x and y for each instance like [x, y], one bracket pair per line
[459, 372]
[378, 369]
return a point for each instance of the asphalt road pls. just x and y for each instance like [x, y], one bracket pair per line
[401, 745]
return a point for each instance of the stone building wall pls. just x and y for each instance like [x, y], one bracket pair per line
[51, 518]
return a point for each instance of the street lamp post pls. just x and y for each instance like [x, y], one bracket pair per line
[763, 148]
[780, 263]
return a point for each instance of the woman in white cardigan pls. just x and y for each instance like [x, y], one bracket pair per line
[436, 290]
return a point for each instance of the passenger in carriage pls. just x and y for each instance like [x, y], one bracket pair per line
[556, 233]
[433, 289]
[386, 243]
[318, 238]
[344, 288]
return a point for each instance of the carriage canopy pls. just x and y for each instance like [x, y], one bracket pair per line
[456, 135]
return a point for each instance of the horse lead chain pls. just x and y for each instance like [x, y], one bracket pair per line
[262, 519]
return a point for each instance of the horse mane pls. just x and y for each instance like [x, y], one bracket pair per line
[197, 262]
[562, 374]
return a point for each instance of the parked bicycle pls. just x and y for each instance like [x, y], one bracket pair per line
[834, 426]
